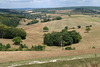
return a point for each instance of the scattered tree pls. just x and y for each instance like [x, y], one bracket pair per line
[17, 40]
[79, 27]
[45, 29]
[88, 29]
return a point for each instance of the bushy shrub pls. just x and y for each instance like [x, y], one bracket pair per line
[45, 29]
[93, 47]
[22, 47]
[66, 27]
[79, 27]
[70, 48]
[37, 48]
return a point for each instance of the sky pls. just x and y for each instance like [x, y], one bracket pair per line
[46, 3]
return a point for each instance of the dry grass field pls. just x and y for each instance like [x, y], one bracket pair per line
[35, 37]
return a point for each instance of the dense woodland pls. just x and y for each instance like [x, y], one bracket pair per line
[10, 20]
[10, 32]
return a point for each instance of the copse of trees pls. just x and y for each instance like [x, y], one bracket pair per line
[64, 37]
[57, 18]
[45, 20]
[33, 22]
[10, 32]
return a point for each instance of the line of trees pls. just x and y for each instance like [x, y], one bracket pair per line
[64, 38]
[22, 47]
[33, 22]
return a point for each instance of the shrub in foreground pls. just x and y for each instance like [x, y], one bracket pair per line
[22, 48]
[37, 48]
[70, 48]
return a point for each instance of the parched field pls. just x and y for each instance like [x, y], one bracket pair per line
[35, 37]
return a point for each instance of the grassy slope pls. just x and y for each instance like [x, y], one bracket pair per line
[35, 36]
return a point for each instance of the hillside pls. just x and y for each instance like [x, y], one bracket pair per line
[66, 8]
[10, 20]
[84, 11]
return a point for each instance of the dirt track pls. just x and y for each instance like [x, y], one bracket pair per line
[26, 55]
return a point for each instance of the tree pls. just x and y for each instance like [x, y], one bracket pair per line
[79, 27]
[45, 28]
[17, 40]
[90, 25]
[88, 29]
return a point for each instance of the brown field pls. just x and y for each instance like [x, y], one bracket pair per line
[35, 37]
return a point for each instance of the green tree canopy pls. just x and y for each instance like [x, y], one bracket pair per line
[17, 40]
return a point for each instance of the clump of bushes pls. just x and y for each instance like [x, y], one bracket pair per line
[22, 47]
[46, 20]
[6, 47]
[93, 47]
[37, 48]
[70, 48]
[65, 36]
[33, 22]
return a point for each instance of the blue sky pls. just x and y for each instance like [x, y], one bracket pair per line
[46, 3]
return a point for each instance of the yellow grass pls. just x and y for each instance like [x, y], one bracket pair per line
[35, 37]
